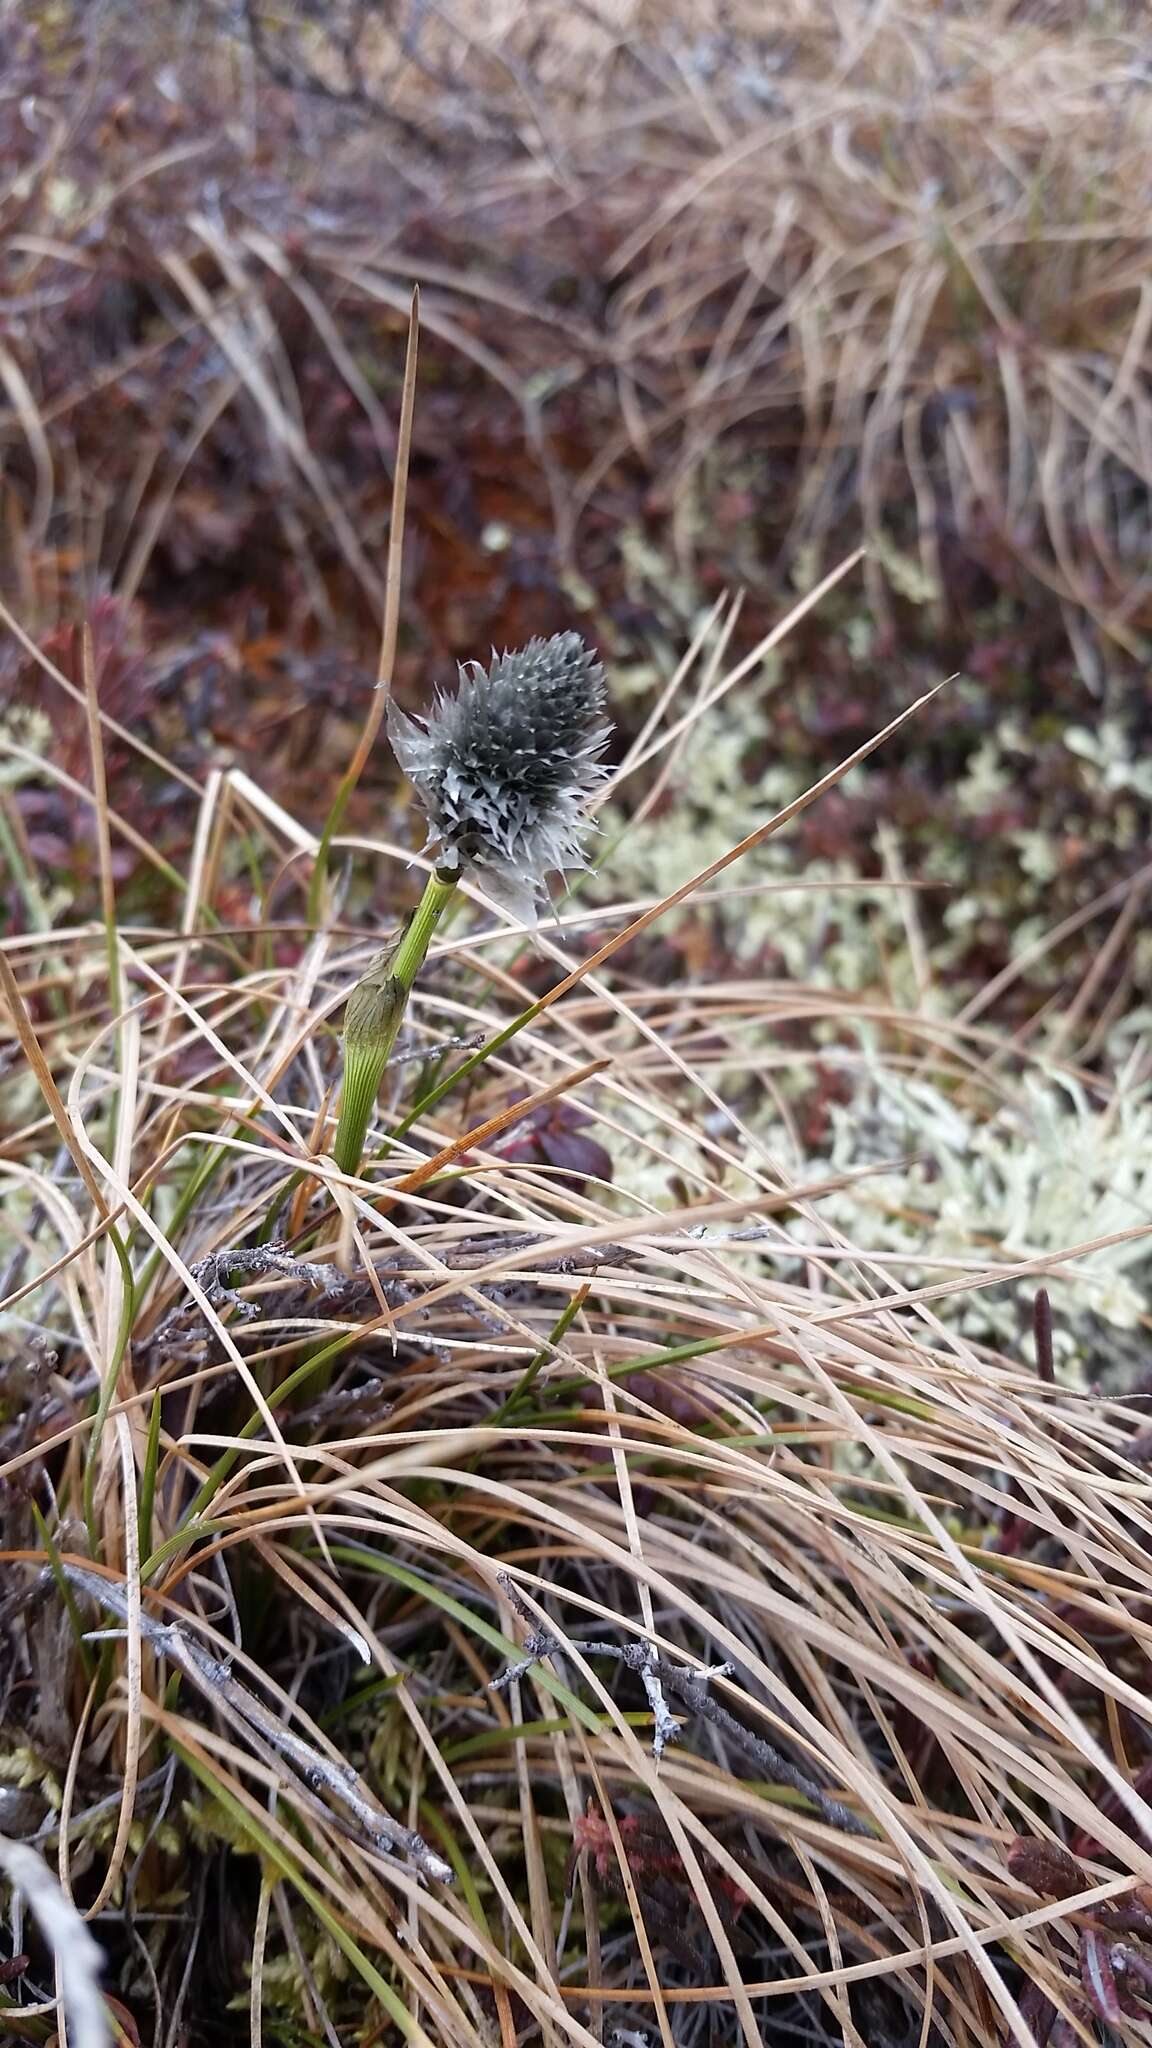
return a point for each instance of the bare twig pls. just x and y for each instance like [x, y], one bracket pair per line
[1042, 1336]
[692, 1689]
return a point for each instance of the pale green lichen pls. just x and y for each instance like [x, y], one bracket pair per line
[1048, 1172]
[26, 727]
[844, 937]
[1031, 1181]
[905, 572]
[1111, 763]
[974, 1178]
[648, 1157]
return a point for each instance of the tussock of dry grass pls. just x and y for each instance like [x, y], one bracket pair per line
[644, 1550]
[543, 1411]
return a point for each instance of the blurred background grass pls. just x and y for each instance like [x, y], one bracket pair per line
[707, 300]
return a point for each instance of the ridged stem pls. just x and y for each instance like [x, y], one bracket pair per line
[373, 1018]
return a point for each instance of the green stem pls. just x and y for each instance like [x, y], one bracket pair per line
[375, 1013]
[438, 893]
[563, 1322]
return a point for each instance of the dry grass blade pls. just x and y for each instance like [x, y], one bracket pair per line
[637, 1561]
[77, 1955]
[391, 624]
[883, 1535]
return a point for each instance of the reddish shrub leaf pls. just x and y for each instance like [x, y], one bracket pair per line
[1048, 1868]
[1039, 2014]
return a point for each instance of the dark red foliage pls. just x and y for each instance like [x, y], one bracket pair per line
[649, 1848]
[555, 1136]
[1116, 1975]
[1047, 1868]
[663, 1886]
[1113, 1807]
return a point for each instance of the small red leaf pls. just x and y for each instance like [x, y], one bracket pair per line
[1047, 1867]
[571, 1150]
[1039, 2013]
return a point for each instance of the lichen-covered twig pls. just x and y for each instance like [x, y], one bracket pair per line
[692, 1689]
[665, 1728]
[255, 1262]
[322, 1775]
[481, 1250]
[411, 1049]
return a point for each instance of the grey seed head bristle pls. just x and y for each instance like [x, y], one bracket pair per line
[506, 767]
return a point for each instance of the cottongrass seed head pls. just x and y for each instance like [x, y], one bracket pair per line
[505, 768]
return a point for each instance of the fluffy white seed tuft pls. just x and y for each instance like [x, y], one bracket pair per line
[505, 768]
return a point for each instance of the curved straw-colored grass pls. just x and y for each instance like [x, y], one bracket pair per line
[680, 1425]
[320, 1456]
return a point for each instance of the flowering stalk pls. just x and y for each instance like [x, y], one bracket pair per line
[504, 771]
[373, 1018]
